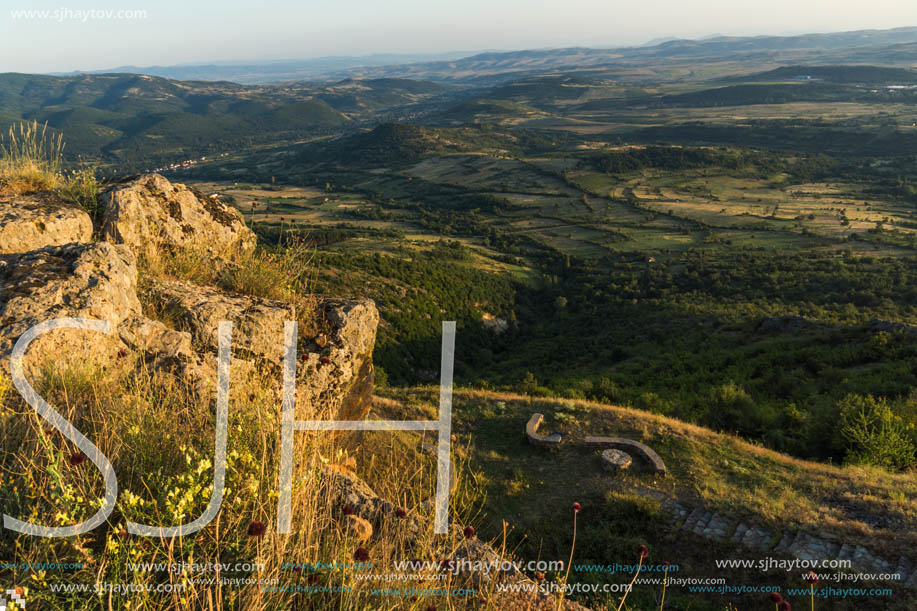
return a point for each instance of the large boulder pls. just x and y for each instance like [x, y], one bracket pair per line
[335, 369]
[150, 214]
[96, 281]
[166, 350]
[30, 222]
[257, 323]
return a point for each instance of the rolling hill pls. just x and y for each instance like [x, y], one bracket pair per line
[138, 119]
[861, 74]
[753, 52]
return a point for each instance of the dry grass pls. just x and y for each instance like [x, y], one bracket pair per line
[30, 159]
[284, 274]
[533, 489]
[82, 187]
[159, 438]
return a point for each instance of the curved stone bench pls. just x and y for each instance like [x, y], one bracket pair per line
[531, 432]
[629, 445]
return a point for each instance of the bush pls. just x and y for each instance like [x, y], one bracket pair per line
[608, 391]
[651, 402]
[729, 406]
[873, 434]
[82, 188]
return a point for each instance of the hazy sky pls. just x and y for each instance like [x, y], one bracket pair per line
[190, 31]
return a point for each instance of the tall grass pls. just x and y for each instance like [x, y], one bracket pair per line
[159, 437]
[31, 158]
[282, 273]
[82, 187]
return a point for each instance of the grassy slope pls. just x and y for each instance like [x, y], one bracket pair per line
[532, 489]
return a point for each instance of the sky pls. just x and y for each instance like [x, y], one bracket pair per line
[169, 32]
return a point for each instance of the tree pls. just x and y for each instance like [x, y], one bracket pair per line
[874, 435]
[529, 384]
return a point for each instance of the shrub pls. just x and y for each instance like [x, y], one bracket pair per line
[529, 384]
[381, 378]
[82, 188]
[729, 406]
[652, 402]
[873, 434]
[608, 390]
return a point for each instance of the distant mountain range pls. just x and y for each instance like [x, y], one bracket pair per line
[135, 120]
[260, 73]
[897, 45]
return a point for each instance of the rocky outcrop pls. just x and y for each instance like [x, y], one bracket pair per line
[40, 280]
[257, 323]
[95, 280]
[155, 338]
[150, 214]
[335, 370]
[344, 383]
[50, 269]
[166, 349]
[31, 222]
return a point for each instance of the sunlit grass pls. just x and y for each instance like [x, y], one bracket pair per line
[30, 158]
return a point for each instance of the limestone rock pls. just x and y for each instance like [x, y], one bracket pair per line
[150, 214]
[31, 222]
[346, 489]
[166, 349]
[332, 381]
[257, 323]
[345, 385]
[615, 460]
[95, 281]
[154, 338]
